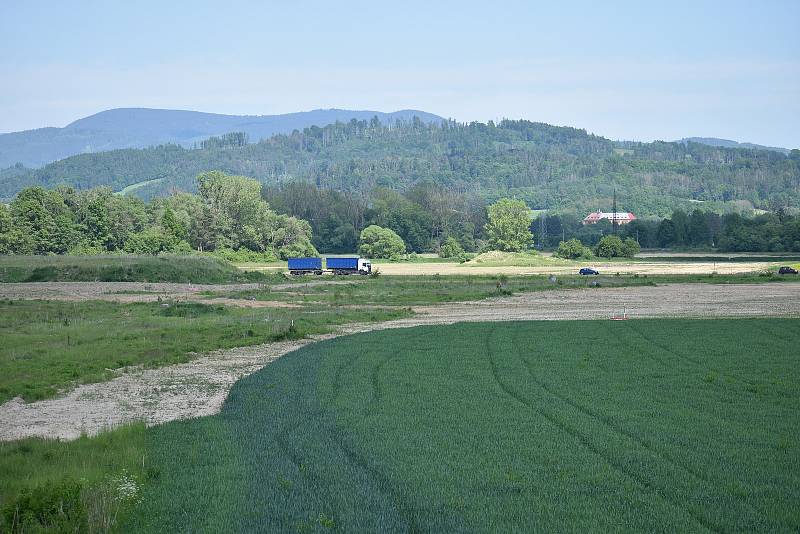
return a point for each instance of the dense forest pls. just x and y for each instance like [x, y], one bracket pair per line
[554, 168]
[142, 127]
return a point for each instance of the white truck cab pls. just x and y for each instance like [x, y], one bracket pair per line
[364, 266]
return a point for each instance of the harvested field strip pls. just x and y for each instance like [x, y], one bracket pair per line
[500, 426]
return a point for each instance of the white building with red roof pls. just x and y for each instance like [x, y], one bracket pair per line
[620, 217]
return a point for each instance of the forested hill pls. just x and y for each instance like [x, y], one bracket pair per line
[143, 127]
[550, 167]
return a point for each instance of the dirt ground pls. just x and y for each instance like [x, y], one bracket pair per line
[200, 387]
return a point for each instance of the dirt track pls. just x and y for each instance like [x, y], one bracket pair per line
[200, 387]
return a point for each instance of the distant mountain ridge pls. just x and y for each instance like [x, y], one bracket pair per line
[727, 143]
[143, 127]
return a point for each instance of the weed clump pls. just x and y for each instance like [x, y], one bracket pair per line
[55, 505]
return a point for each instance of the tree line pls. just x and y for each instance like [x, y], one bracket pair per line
[227, 216]
[427, 215]
[697, 229]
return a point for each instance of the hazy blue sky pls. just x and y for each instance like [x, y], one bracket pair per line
[626, 70]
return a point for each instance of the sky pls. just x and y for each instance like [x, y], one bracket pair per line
[625, 70]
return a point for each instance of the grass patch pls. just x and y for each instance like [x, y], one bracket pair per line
[138, 185]
[51, 346]
[496, 258]
[649, 425]
[75, 486]
[269, 267]
[118, 268]
[422, 258]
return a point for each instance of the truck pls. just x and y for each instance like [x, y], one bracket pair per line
[305, 265]
[349, 265]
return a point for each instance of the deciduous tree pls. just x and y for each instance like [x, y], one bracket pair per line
[377, 242]
[509, 224]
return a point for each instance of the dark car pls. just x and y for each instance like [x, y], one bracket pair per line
[787, 270]
[586, 271]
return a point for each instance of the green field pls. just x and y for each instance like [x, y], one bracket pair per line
[123, 268]
[51, 346]
[650, 425]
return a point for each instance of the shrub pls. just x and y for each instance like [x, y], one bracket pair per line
[83, 249]
[451, 248]
[572, 249]
[377, 242]
[610, 246]
[151, 242]
[51, 506]
[183, 248]
[630, 248]
[244, 255]
[302, 248]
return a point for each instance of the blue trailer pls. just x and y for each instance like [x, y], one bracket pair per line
[305, 265]
[350, 265]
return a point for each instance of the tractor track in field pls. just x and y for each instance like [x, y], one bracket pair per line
[621, 431]
[200, 387]
[581, 436]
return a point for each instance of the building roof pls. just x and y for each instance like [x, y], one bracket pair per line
[620, 216]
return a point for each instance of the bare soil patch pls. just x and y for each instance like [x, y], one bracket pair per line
[200, 387]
